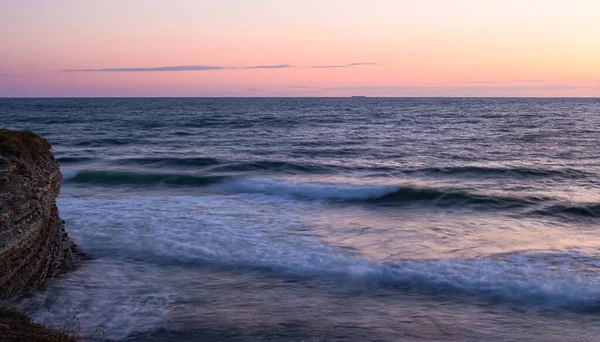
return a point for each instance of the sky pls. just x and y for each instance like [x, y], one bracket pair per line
[72, 48]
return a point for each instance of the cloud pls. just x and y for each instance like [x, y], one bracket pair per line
[340, 66]
[179, 68]
[479, 82]
[498, 82]
[280, 66]
[255, 89]
[299, 86]
[3, 75]
[530, 81]
[160, 68]
[208, 67]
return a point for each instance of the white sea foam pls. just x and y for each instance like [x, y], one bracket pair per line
[106, 299]
[127, 288]
[229, 230]
[307, 190]
[280, 187]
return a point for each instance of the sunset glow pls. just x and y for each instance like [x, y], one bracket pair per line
[300, 48]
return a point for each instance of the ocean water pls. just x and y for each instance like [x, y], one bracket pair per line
[374, 219]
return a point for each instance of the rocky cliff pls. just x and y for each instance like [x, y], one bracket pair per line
[33, 242]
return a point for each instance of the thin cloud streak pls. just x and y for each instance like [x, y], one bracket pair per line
[280, 66]
[179, 68]
[498, 82]
[340, 66]
[479, 82]
[209, 67]
[161, 68]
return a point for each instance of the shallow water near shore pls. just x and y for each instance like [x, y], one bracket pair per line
[325, 219]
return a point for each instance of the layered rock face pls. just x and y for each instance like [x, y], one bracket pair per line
[33, 242]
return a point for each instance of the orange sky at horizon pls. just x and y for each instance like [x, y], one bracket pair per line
[378, 48]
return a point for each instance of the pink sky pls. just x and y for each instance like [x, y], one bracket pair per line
[271, 48]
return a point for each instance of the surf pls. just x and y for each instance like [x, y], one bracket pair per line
[184, 233]
[372, 194]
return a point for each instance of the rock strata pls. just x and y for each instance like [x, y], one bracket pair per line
[33, 242]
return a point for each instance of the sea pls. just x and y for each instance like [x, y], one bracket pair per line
[324, 219]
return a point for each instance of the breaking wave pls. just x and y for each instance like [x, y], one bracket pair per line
[387, 195]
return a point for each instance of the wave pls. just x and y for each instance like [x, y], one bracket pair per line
[102, 142]
[546, 279]
[292, 167]
[314, 191]
[138, 178]
[519, 279]
[384, 195]
[407, 195]
[518, 172]
[168, 161]
[183, 232]
[447, 197]
[216, 165]
[277, 166]
[377, 194]
[179, 236]
[589, 210]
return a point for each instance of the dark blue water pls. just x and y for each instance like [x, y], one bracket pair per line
[325, 219]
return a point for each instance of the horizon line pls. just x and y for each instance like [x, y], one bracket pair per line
[299, 97]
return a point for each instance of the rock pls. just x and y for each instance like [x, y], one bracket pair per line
[33, 241]
[17, 326]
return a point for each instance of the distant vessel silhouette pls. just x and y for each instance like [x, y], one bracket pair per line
[358, 97]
